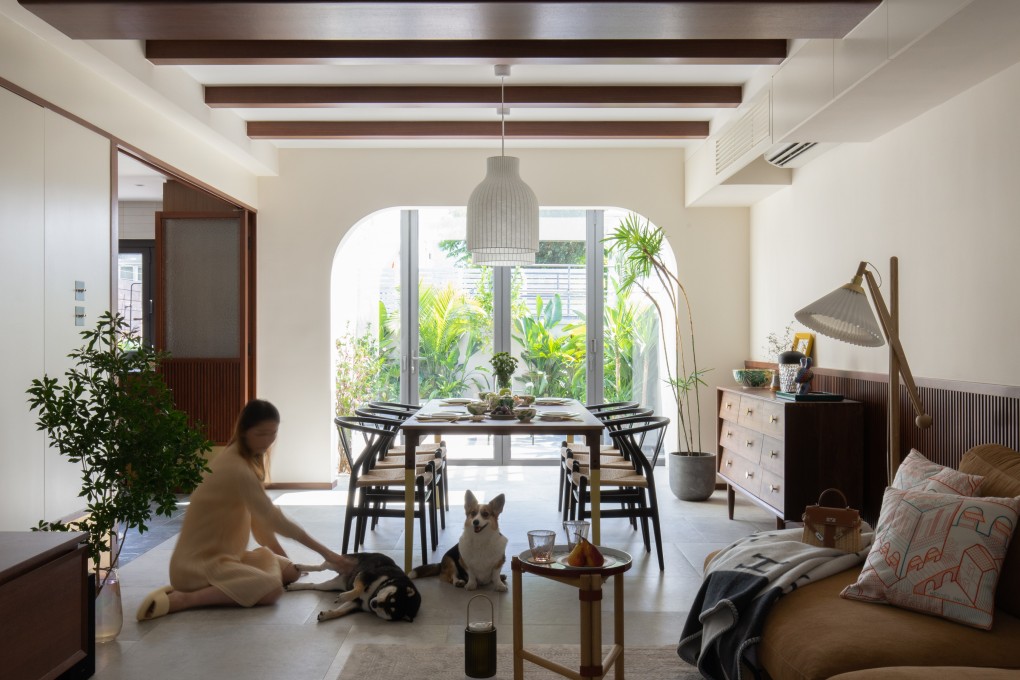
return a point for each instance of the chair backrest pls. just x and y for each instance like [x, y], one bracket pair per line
[395, 406]
[624, 412]
[368, 410]
[377, 433]
[632, 437]
[595, 409]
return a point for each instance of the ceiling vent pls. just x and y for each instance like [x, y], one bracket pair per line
[738, 138]
[793, 154]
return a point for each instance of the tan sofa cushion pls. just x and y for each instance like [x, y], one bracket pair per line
[927, 673]
[1000, 467]
[813, 634]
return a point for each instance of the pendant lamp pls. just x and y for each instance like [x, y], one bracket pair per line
[502, 212]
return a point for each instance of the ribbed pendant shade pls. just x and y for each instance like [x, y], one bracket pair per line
[844, 314]
[502, 217]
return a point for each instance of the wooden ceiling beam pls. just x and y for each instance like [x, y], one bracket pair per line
[477, 130]
[290, 52]
[450, 19]
[519, 96]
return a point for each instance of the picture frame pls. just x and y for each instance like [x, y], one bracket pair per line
[803, 343]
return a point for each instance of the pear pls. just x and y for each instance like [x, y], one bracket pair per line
[576, 558]
[592, 556]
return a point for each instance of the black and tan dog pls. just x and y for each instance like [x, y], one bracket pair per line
[370, 582]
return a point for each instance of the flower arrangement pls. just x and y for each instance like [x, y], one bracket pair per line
[776, 344]
[503, 366]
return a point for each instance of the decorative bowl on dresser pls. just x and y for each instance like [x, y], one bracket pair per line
[783, 454]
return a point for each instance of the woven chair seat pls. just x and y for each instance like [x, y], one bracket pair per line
[613, 477]
[607, 463]
[420, 460]
[390, 477]
[583, 448]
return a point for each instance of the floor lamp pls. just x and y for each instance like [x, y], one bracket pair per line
[844, 314]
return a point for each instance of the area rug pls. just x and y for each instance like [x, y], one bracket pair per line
[400, 662]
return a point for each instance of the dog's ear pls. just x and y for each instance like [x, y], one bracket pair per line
[470, 501]
[496, 504]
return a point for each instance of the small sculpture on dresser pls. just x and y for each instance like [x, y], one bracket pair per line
[804, 376]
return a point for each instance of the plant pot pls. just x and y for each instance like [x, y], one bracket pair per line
[692, 475]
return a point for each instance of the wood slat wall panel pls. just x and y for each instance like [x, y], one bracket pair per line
[208, 390]
[963, 416]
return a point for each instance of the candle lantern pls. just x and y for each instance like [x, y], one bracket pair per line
[480, 643]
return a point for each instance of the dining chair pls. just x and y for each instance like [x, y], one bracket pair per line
[407, 410]
[391, 459]
[372, 493]
[633, 490]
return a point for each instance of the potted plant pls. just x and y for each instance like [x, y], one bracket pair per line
[113, 415]
[503, 366]
[638, 251]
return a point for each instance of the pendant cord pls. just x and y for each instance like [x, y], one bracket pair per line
[502, 118]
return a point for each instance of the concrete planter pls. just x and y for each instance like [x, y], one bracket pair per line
[692, 475]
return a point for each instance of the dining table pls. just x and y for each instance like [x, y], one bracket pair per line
[450, 417]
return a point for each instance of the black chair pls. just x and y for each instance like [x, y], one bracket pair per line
[632, 490]
[407, 410]
[373, 493]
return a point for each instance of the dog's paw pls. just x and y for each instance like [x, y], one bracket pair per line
[459, 583]
[321, 616]
[471, 585]
[500, 587]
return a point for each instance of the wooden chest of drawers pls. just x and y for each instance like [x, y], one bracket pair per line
[783, 454]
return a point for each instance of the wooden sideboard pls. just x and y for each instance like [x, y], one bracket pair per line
[45, 606]
[783, 454]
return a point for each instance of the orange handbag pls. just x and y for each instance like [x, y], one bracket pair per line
[832, 526]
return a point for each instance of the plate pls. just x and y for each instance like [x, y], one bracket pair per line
[549, 401]
[559, 414]
[455, 402]
[610, 561]
[496, 416]
[443, 414]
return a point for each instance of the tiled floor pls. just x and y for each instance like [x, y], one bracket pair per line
[285, 641]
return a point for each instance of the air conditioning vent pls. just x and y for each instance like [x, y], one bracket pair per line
[751, 128]
[783, 155]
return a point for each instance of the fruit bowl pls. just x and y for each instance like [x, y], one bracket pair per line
[477, 408]
[752, 377]
[525, 414]
[524, 399]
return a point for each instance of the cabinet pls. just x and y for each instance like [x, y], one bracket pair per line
[783, 454]
[45, 606]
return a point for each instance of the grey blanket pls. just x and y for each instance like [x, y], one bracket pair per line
[741, 584]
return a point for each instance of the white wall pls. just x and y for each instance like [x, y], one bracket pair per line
[941, 193]
[54, 230]
[320, 194]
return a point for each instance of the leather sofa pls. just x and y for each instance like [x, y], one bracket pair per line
[813, 634]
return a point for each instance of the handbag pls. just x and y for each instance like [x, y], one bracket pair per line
[832, 526]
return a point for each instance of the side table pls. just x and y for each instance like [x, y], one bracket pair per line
[588, 581]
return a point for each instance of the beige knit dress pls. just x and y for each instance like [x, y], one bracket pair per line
[226, 510]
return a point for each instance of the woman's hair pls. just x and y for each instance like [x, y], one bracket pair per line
[254, 413]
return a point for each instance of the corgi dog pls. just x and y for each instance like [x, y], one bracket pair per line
[478, 557]
[370, 582]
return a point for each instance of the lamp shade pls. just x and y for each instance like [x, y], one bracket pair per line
[844, 314]
[502, 216]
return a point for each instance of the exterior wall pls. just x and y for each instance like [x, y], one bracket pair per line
[939, 192]
[320, 194]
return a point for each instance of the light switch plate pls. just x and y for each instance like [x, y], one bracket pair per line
[79, 316]
[79, 290]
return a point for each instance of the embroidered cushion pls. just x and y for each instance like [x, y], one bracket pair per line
[938, 554]
[917, 473]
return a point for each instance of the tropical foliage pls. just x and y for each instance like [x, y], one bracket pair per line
[553, 356]
[638, 251]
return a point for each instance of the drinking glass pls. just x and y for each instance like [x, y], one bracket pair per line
[576, 530]
[541, 542]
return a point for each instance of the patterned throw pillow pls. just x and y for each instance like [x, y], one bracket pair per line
[938, 554]
[917, 473]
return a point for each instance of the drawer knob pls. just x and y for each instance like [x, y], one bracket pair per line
[749, 411]
[729, 463]
[749, 474]
[729, 405]
[773, 454]
[729, 434]
[773, 488]
[773, 419]
[750, 443]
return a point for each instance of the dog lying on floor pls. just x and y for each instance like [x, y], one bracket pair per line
[478, 557]
[370, 582]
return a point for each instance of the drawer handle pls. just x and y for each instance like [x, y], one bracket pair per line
[749, 411]
[729, 434]
[773, 454]
[749, 474]
[729, 405]
[729, 463]
[750, 443]
[773, 488]
[773, 419]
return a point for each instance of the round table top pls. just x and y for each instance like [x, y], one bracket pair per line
[617, 562]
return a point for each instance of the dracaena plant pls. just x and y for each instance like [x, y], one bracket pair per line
[112, 414]
[638, 250]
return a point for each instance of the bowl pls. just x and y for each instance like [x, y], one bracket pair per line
[524, 399]
[524, 414]
[477, 408]
[753, 377]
